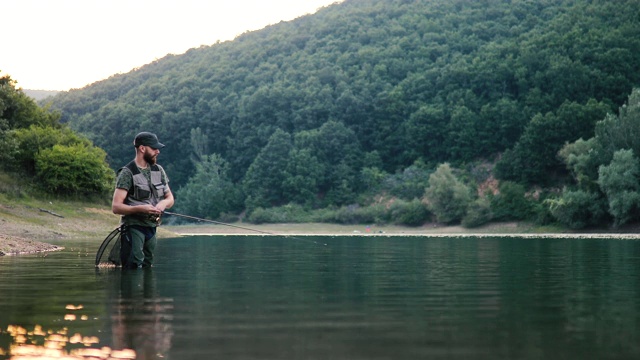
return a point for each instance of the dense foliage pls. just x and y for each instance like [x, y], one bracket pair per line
[606, 170]
[35, 146]
[364, 99]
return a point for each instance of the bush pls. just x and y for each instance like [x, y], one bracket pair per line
[511, 203]
[260, 216]
[291, 213]
[410, 213]
[353, 214]
[578, 209]
[446, 196]
[74, 170]
[409, 184]
[30, 141]
[478, 213]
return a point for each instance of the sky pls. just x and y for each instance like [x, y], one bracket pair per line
[65, 44]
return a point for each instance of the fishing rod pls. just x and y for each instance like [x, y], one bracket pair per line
[235, 226]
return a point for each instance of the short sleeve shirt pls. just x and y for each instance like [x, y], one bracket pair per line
[125, 181]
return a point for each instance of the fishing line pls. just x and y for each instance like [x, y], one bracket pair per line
[237, 226]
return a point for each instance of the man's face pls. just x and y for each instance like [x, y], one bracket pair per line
[150, 155]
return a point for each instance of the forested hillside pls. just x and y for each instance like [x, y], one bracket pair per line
[369, 97]
[40, 153]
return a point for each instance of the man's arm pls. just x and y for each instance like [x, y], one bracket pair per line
[120, 208]
[167, 202]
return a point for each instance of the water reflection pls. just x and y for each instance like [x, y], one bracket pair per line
[356, 298]
[140, 317]
[38, 344]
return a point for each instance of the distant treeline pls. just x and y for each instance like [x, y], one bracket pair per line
[367, 109]
[39, 94]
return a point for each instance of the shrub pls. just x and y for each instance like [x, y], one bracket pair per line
[446, 196]
[74, 170]
[478, 213]
[511, 203]
[410, 213]
[578, 209]
[291, 213]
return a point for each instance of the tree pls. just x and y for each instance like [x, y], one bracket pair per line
[583, 158]
[447, 197]
[17, 110]
[534, 158]
[425, 133]
[622, 131]
[209, 192]
[199, 143]
[463, 134]
[339, 157]
[263, 183]
[619, 181]
[303, 174]
[605, 170]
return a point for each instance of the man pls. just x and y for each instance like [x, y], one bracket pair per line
[142, 193]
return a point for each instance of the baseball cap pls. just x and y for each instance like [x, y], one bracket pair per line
[147, 139]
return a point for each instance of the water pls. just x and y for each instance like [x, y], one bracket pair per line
[355, 298]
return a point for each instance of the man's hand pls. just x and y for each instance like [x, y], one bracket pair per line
[120, 208]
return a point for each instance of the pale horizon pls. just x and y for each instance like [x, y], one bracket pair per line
[65, 44]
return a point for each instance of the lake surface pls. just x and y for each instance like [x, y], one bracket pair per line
[252, 297]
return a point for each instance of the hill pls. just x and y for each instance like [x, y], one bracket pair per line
[333, 107]
[437, 80]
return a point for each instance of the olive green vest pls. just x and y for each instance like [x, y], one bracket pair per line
[143, 192]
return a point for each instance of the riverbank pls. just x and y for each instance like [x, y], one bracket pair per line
[32, 226]
[35, 226]
[514, 229]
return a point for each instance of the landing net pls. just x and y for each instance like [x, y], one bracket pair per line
[108, 254]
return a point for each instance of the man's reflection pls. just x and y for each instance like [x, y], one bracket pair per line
[140, 318]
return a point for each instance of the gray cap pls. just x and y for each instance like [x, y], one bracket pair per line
[147, 139]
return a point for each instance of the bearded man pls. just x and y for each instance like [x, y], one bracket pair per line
[142, 194]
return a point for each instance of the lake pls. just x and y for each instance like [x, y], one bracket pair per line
[349, 297]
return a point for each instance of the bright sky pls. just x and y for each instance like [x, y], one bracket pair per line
[64, 44]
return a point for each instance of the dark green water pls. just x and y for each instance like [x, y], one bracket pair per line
[355, 298]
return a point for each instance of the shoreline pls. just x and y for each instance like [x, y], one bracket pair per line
[488, 235]
[510, 229]
[11, 245]
[14, 245]
[28, 229]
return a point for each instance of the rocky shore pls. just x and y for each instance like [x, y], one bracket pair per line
[13, 245]
[37, 226]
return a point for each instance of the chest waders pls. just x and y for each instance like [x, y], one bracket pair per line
[138, 231]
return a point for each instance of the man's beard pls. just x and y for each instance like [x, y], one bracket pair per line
[150, 159]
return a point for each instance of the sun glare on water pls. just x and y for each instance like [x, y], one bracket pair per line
[38, 344]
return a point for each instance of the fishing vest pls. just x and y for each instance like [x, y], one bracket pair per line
[143, 192]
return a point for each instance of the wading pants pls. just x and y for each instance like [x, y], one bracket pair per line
[138, 244]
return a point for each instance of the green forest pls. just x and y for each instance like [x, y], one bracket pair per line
[384, 111]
